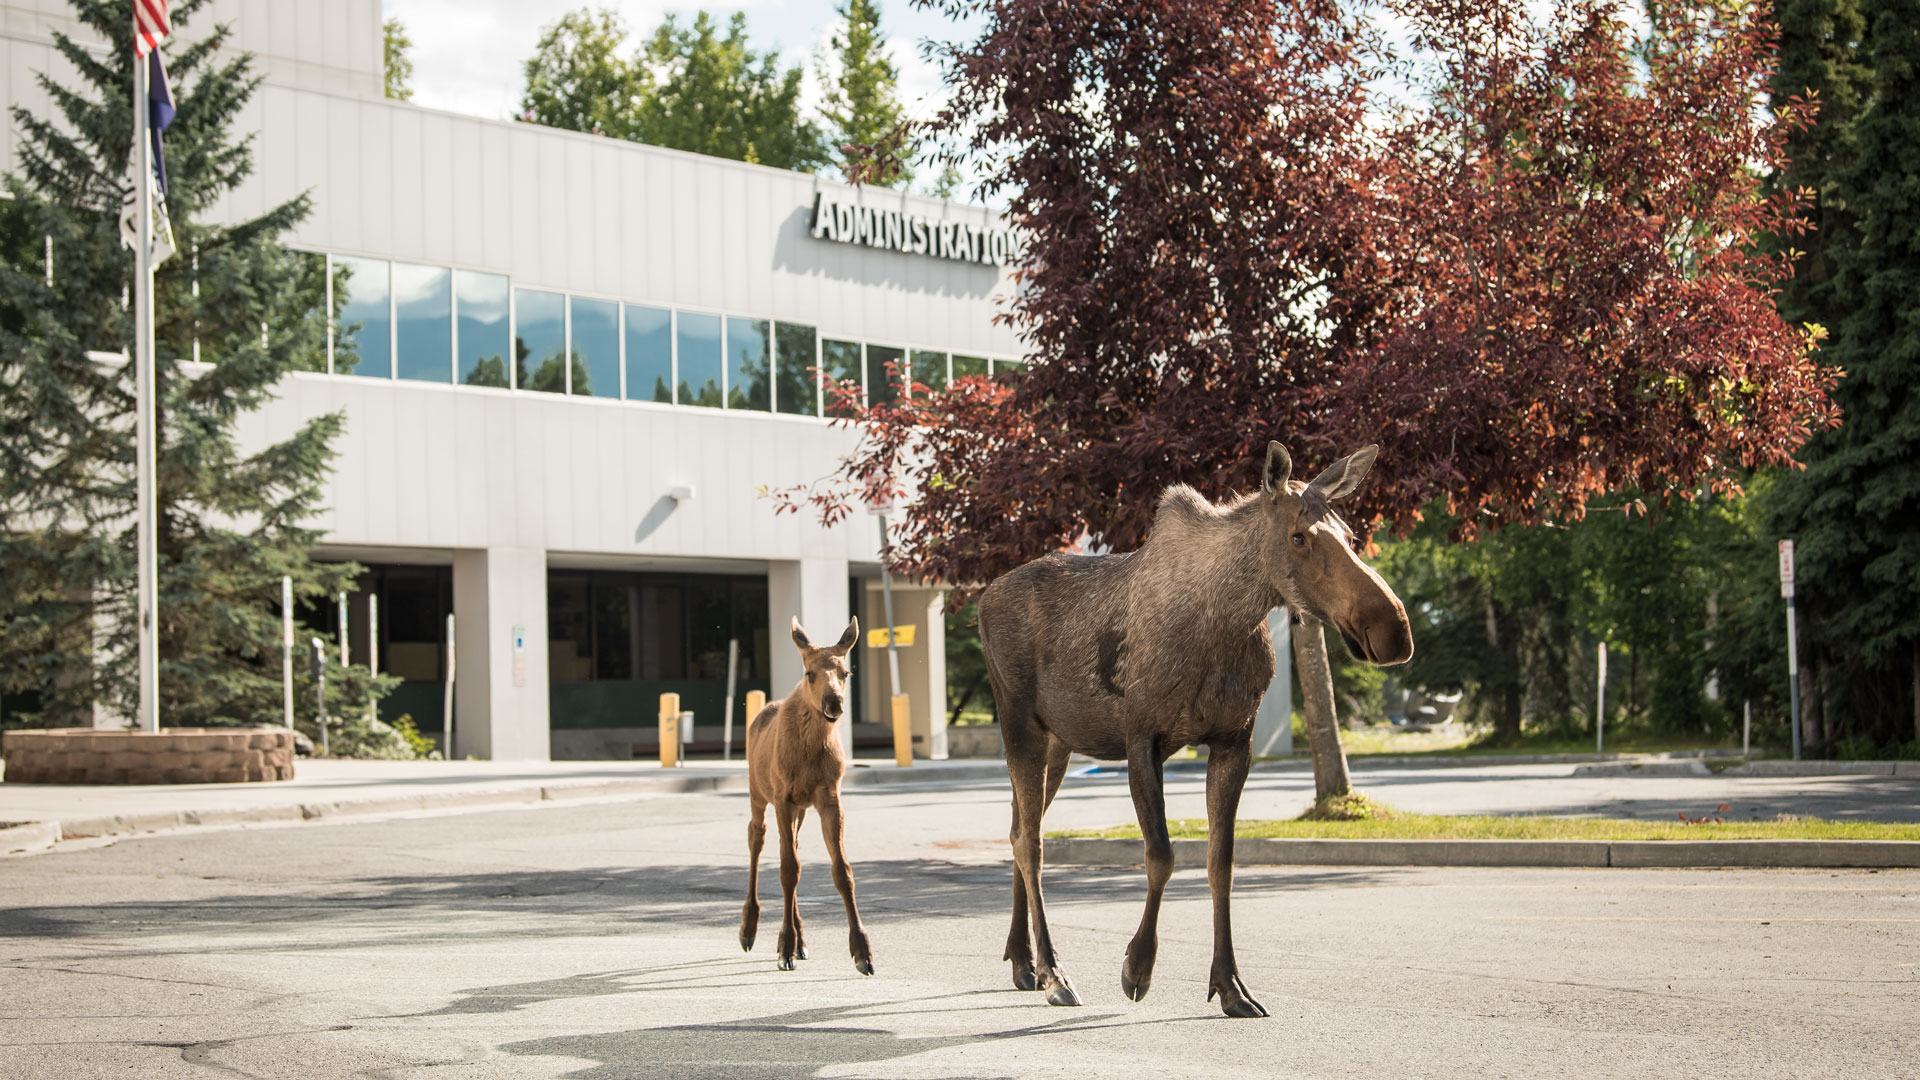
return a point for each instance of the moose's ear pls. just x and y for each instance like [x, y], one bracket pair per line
[800, 637]
[1343, 477]
[1278, 470]
[847, 639]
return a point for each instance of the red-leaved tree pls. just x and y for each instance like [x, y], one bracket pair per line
[1518, 253]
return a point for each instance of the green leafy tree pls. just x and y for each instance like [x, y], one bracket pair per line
[230, 522]
[862, 105]
[399, 67]
[577, 79]
[1855, 510]
[711, 94]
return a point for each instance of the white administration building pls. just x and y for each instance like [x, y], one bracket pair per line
[570, 368]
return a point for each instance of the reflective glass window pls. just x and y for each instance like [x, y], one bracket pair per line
[309, 283]
[930, 369]
[482, 342]
[698, 337]
[749, 364]
[649, 354]
[795, 388]
[839, 363]
[596, 347]
[1004, 367]
[966, 366]
[423, 322]
[884, 386]
[540, 340]
[362, 342]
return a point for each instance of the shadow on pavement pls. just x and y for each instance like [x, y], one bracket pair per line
[789, 1044]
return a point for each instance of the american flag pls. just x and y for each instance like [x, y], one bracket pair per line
[149, 26]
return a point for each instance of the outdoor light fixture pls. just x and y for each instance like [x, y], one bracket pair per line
[681, 493]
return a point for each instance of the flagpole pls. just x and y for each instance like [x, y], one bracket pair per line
[147, 603]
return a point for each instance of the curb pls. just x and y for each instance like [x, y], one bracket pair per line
[1753, 768]
[1818, 854]
[38, 836]
[28, 836]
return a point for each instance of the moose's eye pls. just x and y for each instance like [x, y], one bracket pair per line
[1299, 539]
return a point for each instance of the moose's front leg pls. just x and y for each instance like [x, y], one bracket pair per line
[789, 819]
[833, 831]
[1147, 780]
[1227, 767]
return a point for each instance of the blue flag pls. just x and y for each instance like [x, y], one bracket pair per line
[159, 112]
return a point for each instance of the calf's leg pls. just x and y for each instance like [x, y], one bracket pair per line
[1147, 779]
[833, 831]
[1227, 766]
[756, 837]
[789, 817]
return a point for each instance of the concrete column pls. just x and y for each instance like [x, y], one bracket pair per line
[923, 665]
[500, 697]
[1273, 724]
[816, 591]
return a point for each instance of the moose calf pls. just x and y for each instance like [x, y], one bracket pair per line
[794, 761]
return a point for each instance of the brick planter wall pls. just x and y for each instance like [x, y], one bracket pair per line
[172, 756]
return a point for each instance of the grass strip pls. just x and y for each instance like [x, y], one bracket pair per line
[1449, 827]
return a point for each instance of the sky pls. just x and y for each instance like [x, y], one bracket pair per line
[468, 55]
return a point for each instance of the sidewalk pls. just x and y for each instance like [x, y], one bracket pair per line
[34, 816]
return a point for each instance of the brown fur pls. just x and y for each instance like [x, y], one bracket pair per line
[794, 761]
[1136, 655]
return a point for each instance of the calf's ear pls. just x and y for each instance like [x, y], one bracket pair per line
[800, 637]
[847, 639]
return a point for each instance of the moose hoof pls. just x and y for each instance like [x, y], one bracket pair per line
[746, 942]
[864, 967]
[1234, 999]
[1134, 990]
[801, 953]
[1063, 993]
[1024, 979]
[786, 963]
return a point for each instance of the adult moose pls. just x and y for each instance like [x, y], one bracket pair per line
[794, 761]
[1137, 655]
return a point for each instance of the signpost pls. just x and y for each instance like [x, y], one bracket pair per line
[1793, 650]
[286, 645]
[902, 734]
[1600, 704]
[446, 712]
[733, 667]
[320, 690]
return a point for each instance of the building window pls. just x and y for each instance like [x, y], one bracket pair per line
[1002, 368]
[930, 369]
[749, 364]
[362, 345]
[697, 338]
[596, 347]
[423, 322]
[483, 339]
[796, 389]
[649, 354]
[883, 387]
[840, 362]
[540, 341]
[969, 366]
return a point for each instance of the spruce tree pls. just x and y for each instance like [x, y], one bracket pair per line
[862, 105]
[1855, 510]
[235, 312]
[1820, 63]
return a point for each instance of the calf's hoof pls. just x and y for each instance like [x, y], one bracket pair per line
[1025, 979]
[1136, 972]
[746, 942]
[1063, 993]
[1134, 990]
[864, 967]
[786, 963]
[801, 953]
[1234, 999]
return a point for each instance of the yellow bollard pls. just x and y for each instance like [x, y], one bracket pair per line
[756, 700]
[902, 734]
[669, 730]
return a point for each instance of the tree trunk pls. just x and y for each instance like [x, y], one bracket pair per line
[1316, 704]
[1506, 722]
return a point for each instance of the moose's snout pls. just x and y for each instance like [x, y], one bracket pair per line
[832, 705]
[1381, 635]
